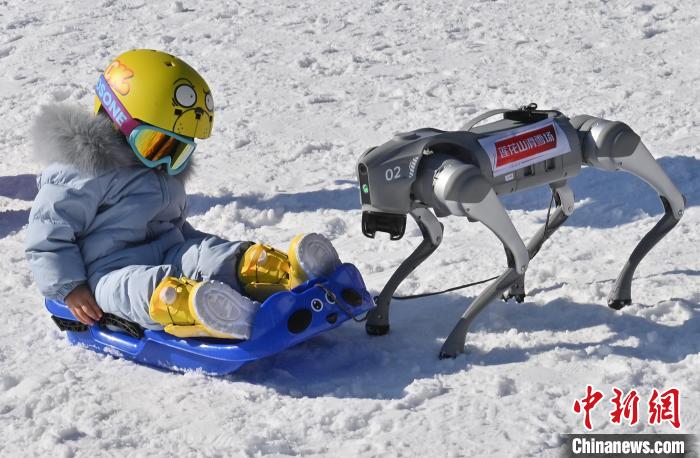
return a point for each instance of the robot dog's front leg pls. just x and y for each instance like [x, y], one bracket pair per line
[432, 230]
[612, 145]
[463, 190]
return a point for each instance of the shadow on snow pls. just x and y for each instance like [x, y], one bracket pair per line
[347, 363]
[22, 187]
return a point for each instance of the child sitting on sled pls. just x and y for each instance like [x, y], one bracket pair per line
[107, 231]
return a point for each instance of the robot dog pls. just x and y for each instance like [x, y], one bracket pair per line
[462, 173]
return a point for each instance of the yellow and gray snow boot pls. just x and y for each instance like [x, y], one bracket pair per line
[189, 308]
[265, 270]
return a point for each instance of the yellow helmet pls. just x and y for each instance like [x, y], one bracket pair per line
[161, 90]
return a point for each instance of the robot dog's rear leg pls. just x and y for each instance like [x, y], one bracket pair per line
[610, 145]
[564, 198]
[465, 192]
[431, 229]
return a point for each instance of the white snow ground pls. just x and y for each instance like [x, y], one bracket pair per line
[302, 89]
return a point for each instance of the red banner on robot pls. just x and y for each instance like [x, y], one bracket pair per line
[525, 145]
[518, 148]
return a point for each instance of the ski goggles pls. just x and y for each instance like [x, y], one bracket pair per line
[152, 145]
[155, 146]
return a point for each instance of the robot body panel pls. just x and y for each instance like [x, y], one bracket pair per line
[389, 170]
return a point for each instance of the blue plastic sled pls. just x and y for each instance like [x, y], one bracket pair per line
[284, 319]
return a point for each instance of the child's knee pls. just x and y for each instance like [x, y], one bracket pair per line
[215, 259]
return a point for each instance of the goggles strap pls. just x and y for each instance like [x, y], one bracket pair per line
[114, 107]
[121, 117]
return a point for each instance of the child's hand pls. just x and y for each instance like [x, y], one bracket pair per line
[83, 305]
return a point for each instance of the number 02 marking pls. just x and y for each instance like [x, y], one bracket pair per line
[392, 173]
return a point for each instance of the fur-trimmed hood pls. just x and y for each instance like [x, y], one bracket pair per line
[68, 134]
[98, 208]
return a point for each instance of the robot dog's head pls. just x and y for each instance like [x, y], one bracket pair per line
[386, 175]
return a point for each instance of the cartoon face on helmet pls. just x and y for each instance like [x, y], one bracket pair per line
[191, 105]
[161, 90]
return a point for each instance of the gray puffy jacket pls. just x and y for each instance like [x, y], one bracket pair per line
[99, 210]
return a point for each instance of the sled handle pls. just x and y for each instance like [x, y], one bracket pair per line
[119, 341]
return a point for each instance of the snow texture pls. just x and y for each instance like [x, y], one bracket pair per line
[302, 89]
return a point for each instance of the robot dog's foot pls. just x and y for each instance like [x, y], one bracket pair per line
[448, 355]
[377, 329]
[517, 291]
[378, 320]
[617, 304]
[454, 344]
[519, 298]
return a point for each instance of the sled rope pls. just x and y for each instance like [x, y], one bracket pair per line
[348, 312]
[455, 288]
[435, 293]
